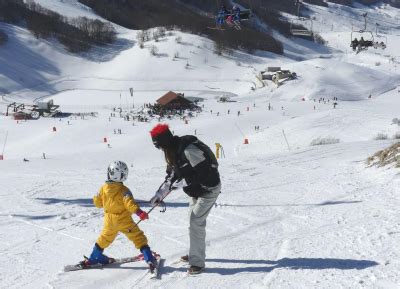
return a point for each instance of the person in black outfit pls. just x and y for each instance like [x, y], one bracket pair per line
[192, 166]
[354, 44]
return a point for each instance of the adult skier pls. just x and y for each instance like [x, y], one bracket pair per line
[354, 44]
[192, 166]
[119, 204]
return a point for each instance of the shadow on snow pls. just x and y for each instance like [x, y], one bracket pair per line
[108, 52]
[327, 203]
[34, 217]
[88, 202]
[291, 263]
[23, 65]
[81, 202]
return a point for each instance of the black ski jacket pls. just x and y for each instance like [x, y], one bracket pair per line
[196, 163]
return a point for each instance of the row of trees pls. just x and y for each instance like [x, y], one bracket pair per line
[142, 15]
[151, 34]
[77, 35]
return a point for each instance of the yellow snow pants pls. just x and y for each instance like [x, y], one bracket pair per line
[115, 223]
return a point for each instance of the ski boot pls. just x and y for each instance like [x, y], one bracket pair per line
[97, 257]
[194, 270]
[149, 258]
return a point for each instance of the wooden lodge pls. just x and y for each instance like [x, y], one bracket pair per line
[172, 100]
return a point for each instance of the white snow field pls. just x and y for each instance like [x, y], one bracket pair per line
[290, 215]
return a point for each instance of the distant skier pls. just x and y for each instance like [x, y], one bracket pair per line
[362, 44]
[119, 204]
[354, 44]
[236, 16]
[229, 20]
[236, 13]
[192, 166]
[221, 16]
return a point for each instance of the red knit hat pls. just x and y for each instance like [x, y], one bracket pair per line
[161, 135]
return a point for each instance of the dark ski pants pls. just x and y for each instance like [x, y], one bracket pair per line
[199, 208]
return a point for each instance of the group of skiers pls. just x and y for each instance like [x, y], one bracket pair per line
[362, 44]
[191, 166]
[230, 17]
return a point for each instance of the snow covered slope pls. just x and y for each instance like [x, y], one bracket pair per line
[324, 78]
[290, 215]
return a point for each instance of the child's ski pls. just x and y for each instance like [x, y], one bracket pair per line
[83, 266]
[155, 272]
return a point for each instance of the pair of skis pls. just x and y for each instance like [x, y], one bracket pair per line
[154, 272]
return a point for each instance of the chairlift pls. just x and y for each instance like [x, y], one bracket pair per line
[363, 38]
[301, 26]
[231, 17]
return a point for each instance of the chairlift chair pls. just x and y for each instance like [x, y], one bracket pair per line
[296, 25]
[367, 36]
[364, 33]
[301, 22]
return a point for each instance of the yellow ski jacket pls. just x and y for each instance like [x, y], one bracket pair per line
[119, 205]
[116, 199]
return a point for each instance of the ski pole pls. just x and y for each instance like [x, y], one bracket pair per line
[149, 211]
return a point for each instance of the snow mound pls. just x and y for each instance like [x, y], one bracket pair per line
[328, 78]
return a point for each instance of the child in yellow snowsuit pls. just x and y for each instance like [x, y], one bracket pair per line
[118, 204]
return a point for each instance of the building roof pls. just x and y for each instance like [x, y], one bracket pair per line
[171, 96]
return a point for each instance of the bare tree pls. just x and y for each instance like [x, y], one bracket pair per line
[140, 39]
[141, 44]
[156, 35]
[146, 35]
[140, 36]
[153, 50]
[161, 31]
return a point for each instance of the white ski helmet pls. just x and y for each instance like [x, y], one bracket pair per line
[117, 171]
